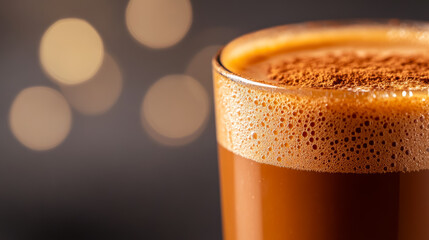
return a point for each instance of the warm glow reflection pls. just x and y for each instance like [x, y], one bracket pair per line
[98, 94]
[40, 118]
[200, 66]
[159, 23]
[71, 51]
[175, 109]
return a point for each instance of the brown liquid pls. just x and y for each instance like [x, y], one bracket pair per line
[325, 162]
[262, 201]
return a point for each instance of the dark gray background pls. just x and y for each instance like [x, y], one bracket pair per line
[109, 179]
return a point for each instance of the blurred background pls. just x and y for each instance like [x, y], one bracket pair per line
[106, 113]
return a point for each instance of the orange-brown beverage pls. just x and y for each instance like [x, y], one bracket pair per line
[323, 132]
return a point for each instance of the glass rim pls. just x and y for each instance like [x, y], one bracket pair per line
[221, 69]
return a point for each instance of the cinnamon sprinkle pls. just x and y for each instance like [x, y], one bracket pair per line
[348, 70]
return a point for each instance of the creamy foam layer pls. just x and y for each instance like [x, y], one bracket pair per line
[324, 130]
[359, 68]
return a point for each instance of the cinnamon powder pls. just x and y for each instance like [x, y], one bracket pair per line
[349, 70]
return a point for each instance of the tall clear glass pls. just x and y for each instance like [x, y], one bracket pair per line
[308, 163]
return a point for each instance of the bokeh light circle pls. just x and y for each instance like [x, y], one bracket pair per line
[200, 66]
[40, 118]
[175, 109]
[98, 94]
[71, 51]
[158, 23]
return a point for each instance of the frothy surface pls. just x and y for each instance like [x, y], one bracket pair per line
[324, 131]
